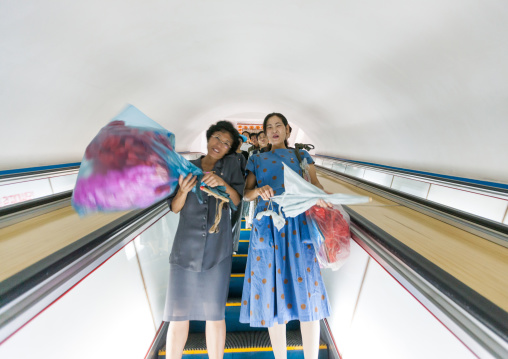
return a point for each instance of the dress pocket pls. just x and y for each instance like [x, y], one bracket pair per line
[303, 226]
[262, 233]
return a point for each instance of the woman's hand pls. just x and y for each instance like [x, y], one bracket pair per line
[187, 183]
[265, 192]
[323, 203]
[212, 180]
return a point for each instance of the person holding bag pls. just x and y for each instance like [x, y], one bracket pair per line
[200, 261]
[282, 278]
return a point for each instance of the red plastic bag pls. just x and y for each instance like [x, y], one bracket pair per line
[329, 231]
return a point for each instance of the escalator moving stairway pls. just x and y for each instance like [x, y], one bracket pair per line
[242, 341]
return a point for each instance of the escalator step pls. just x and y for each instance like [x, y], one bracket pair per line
[234, 302]
[250, 344]
[239, 263]
[243, 246]
[236, 284]
[233, 307]
[245, 234]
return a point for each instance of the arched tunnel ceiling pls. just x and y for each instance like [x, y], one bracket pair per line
[414, 84]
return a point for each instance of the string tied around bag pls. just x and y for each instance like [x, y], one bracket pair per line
[221, 200]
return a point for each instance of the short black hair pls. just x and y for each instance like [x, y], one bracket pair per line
[245, 132]
[253, 135]
[225, 126]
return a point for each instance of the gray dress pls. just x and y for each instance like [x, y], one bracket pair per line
[200, 262]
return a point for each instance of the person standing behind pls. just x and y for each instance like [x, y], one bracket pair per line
[254, 141]
[263, 142]
[236, 222]
[245, 154]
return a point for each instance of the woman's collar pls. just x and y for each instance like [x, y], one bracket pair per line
[217, 166]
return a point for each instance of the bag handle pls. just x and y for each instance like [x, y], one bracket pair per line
[298, 156]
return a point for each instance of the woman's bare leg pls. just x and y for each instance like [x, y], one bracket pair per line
[176, 339]
[310, 338]
[215, 338]
[278, 339]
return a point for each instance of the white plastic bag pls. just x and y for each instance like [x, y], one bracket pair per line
[300, 195]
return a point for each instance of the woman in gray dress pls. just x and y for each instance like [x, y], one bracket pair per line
[200, 262]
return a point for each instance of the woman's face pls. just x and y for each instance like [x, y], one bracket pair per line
[219, 144]
[275, 131]
[262, 140]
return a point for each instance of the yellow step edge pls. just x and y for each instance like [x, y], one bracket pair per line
[239, 304]
[237, 275]
[245, 229]
[241, 350]
[239, 255]
[244, 240]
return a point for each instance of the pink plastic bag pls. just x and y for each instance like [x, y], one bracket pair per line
[130, 164]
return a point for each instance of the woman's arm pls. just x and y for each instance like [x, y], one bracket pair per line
[186, 185]
[251, 191]
[314, 180]
[313, 177]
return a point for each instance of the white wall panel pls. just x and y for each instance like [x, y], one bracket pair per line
[389, 323]
[105, 316]
[327, 163]
[506, 218]
[63, 183]
[355, 171]
[340, 167]
[24, 191]
[318, 160]
[154, 247]
[380, 178]
[343, 287]
[488, 207]
[406, 185]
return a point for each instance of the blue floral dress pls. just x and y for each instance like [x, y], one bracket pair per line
[282, 278]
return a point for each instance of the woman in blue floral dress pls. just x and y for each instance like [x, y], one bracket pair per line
[282, 278]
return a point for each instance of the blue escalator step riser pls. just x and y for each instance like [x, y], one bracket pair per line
[245, 235]
[236, 286]
[243, 248]
[239, 264]
[233, 323]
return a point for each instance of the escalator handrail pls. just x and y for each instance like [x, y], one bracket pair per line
[29, 172]
[500, 188]
[488, 313]
[34, 203]
[497, 228]
[23, 281]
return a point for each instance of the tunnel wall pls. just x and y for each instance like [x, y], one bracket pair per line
[420, 86]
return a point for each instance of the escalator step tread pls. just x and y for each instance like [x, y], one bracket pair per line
[243, 341]
[234, 300]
